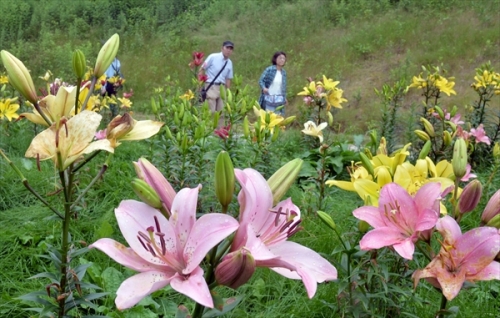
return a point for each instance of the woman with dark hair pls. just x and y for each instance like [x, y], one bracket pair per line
[273, 85]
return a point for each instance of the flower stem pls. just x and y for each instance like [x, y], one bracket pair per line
[91, 89]
[444, 301]
[95, 153]
[78, 84]
[65, 236]
[28, 186]
[97, 177]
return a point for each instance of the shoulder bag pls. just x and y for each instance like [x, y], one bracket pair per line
[203, 91]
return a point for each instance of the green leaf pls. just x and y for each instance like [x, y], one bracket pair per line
[139, 312]
[229, 304]
[182, 312]
[105, 230]
[167, 308]
[111, 279]
[27, 164]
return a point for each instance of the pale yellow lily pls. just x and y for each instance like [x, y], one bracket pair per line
[54, 107]
[124, 127]
[311, 129]
[68, 140]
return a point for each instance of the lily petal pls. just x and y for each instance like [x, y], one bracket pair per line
[124, 255]
[208, 231]
[143, 129]
[135, 288]
[310, 266]
[195, 287]
[369, 214]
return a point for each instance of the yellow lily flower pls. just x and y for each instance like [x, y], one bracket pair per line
[328, 83]
[334, 98]
[8, 109]
[54, 107]
[4, 79]
[125, 102]
[274, 119]
[124, 127]
[308, 90]
[188, 96]
[395, 169]
[311, 129]
[445, 86]
[71, 139]
[418, 82]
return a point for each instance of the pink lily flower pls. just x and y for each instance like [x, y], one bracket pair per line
[480, 134]
[399, 219]
[463, 257]
[264, 232]
[101, 134]
[468, 175]
[146, 171]
[463, 133]
[165, 251]
[456, 119]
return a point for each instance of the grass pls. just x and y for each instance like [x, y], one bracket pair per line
[26, 230]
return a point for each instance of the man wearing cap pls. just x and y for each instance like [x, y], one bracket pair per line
[219, 70]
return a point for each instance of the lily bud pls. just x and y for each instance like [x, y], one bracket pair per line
[367, 164]
[154, 108]
[429, 129]
[422, 135]
[470, 196]
[373, 136]
[363, 226]
[19, 76]
[327, 219]
[330, 118]
[454, 110]
[496, 150]
[235, 269]
[425, 150]
[149, 173]
[106, 55]
[447, 139]
[287, 120]
[494, 222]
[224, 179]
[459, 161]
[283, 179]
[492, 209]
[146, 193]
[439, 111]
[246, 127]
[79, 64]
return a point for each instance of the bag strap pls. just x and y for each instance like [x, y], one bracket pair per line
[210, 85]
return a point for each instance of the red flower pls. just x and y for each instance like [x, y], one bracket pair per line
[128, 94]
[223, 132]
[198, 55]
[202, 77]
